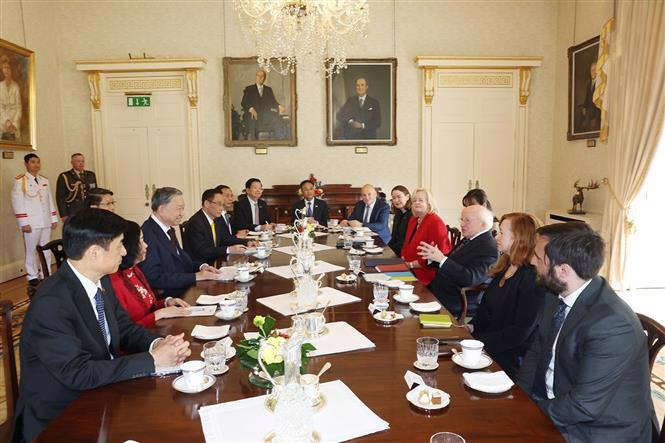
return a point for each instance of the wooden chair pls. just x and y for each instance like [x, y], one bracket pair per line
[9, 368]
[464, 305]
[57, 249]
[655, 342]
[455, 236]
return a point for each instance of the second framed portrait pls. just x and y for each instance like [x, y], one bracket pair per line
[583, 114]
[361, 103]
[259, 107]
[17, 97]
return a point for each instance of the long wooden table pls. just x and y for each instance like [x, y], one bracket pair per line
[150, 410]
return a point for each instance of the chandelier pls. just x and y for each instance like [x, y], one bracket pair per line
[289, 30]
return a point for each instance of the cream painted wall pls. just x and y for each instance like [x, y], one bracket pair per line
[572, 160]
[402, 29]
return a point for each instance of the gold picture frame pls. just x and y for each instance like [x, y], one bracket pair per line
[18, 116]
[275, 124]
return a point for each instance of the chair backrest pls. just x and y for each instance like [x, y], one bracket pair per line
[57, 249]
[655, 336]
[455, 236]
[9, 367]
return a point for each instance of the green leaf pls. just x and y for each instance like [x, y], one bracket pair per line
[253, 353]
[268, 326]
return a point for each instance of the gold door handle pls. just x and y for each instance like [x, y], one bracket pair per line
[470, 185]
[477, 184]
[147, 192]
[154, 188]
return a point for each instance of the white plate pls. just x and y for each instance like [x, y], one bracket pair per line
[393, 317]
[210, 299]
[376, 250]
[251, 277]
[413, 394]
[354, 251]
[180, 385]
[425, 307]
[350, 278]
[425, 368]
[398, 298]
[488, 389]
[222, 372]
[484, 361]
[230, 353]
[238, 313]
[261, 257]
[210, 332]
[254, 233]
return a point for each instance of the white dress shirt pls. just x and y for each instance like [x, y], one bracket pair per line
[254, 206]
[227, 221]
[91, 291]
[367, 213]
[569, 301]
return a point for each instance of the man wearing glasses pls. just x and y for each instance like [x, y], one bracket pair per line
[100, 198]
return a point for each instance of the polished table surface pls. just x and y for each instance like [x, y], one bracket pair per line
[149, 410]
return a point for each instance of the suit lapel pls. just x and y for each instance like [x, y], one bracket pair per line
[114, 330]
[579, 309]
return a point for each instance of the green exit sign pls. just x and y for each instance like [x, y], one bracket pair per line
[138, 101]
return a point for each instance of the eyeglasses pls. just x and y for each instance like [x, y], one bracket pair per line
[111, 203]
[215, 203]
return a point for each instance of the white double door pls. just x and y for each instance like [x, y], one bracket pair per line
[144, 149]
[474, 136]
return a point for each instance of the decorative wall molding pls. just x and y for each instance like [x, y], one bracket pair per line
[144, 84]
[480, 80]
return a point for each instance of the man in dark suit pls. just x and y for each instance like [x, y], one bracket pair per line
[167, 266]
[229, 235]
[360, 116]
[76, 336]
[251, 213]
[262, 111]
[73, 186]
[588, 367]
[204, 238]
[313, 208]
[371, 213]
[467, 264]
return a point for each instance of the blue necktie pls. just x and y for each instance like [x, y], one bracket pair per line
[540, 387]
[309, 209]
[101, 316]
[367, 214]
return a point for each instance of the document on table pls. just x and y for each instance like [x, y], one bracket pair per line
[201, 311]
[227, 422]
[320, 267]
[291, 250]
[285, 304]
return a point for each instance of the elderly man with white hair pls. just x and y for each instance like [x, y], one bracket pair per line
[468, 263]
[370, 212]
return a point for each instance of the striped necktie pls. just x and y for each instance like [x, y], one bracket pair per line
[540, 386]
[101, 316]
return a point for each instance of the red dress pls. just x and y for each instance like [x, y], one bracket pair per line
[431, 230]
[135, 295]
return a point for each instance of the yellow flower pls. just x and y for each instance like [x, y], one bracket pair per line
[259, 320]
[271, 355]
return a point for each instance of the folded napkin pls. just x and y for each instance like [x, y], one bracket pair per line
[371, 278]
[201, 311]
[211, 299]
[210, 332]
[432, 306]
[492, 382]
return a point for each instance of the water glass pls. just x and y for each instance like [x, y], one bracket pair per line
[348, 242]
[380, 296]
[427, 351]
[446, 437]
[214, 353]
[240, 297]
[354, 262]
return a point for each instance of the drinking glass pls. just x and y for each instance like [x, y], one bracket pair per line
[354, 263]
[348, 242]
[446, 437]
[214, 353]
[240, 297]
[427, 351]
[380, 296]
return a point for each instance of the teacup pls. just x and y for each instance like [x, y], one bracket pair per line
[310, 384]
[471, 351]
[193, 371]
[243, 271]
[406, 291]
[280, 227]
[333, 222]
[369, 243]
[227, 308]
[314, 323]
[261, 251]
[265, 235]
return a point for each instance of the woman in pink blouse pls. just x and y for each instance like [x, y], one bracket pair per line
[132, 288]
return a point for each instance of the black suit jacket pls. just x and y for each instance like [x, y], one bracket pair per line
[169, 271]
[369, 114]
[601, 370]
[63, 351]
[198, 241]
[242, 215]
[397, 237]
[228, 236]
[465, 266]
[320, 210]
[252, 99]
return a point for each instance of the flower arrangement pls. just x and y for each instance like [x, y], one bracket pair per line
[273, 359]
[318, 186]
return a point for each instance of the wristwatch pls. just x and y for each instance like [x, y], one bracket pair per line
[410, 265]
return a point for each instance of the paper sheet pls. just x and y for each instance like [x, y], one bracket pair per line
[320, 267]
[285, 304]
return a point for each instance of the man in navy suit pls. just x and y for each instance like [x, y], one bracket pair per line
[312, 207]
[588, 367]
[262, 111]
[371, 213]
[360, 116]
[468, 263]
[167, 266]
[229, 235]
[76, 336]
[251, 213]
[204, 238]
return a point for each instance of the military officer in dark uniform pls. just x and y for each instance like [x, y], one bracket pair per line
[73, 186]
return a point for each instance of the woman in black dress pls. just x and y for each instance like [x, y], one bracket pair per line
[507, 314]
[401, 206]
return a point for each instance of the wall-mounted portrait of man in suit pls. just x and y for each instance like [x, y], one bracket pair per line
[583, 114]
[361, 103]
[260, 106]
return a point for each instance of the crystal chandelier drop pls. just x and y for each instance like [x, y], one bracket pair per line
[286, 31]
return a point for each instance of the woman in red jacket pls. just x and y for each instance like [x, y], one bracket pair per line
[132, 288]
[427, 226]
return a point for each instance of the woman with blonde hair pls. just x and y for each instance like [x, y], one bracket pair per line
[507, 314]
[425, 226]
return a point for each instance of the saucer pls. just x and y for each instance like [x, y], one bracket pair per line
[230, 353]
[377, 250]
[425, 368]
[180, 385]
[347, 278]
[413, 395]
[353, 251]
[213, 373]
[387, 317]
[487, 389]
[260, 257]
[426, 307]
[398, 298]
[237, 314]
[484, 361]
[251, 277]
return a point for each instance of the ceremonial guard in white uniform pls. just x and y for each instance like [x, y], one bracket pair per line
[35, 214]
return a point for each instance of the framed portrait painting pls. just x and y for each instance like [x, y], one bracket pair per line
[17, 97]
[259, 106]
[583, 114]
[361, 103]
